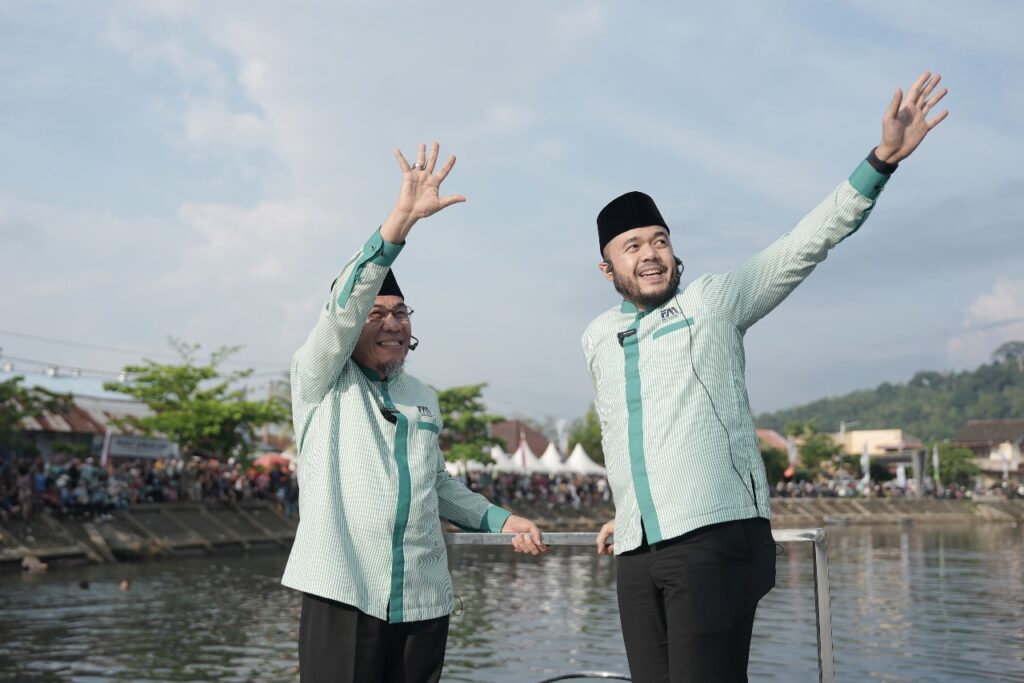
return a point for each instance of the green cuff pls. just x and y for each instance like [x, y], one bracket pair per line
[494, 519]
[385, 252]
[376, 251]
[868, 181]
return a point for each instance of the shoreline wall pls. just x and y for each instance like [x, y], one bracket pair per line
[166, 530]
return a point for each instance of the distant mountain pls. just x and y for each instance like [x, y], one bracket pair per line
[932, 405]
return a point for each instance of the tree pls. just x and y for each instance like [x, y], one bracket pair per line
[816, 448]
[775, 463]
[956, 465]
[1011, 353]
[197, 406]
[18, 402]
[587, 432]
[464, 436]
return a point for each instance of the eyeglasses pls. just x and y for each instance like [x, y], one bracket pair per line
[401, 314]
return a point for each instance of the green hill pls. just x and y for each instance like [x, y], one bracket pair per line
[932, 405]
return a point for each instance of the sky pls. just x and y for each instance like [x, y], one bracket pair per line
[203, 171]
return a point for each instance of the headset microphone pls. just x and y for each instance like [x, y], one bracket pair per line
[414, 343]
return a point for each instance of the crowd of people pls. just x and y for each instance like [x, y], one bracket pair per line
[508, 489]
[81, 487]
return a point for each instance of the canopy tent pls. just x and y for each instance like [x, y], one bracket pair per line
[526, 461]
[498, 455]
[552, 459]
[579, 462]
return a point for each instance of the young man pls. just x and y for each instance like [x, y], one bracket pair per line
[369, 554]
[691, 533]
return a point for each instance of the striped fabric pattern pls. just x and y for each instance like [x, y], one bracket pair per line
[678, 435]
[371, 491]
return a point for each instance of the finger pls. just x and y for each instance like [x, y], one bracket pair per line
[538, 540]
[930, 86]
[938, 119]
[894, 104]
[421, 156]
[527, 544]
[451, 199]
[935, 100]
[446, 169]
[610, 548]
[915, 89]
[401, 160]
[434, 149]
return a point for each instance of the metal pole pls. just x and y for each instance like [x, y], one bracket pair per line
[823, 606]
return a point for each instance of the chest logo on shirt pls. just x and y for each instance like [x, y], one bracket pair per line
[669, 313]
[424, 411]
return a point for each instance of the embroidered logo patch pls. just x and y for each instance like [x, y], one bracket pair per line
[425, 411]
[669, 313]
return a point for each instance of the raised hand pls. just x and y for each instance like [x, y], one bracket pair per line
[419, 195]
[905, 123]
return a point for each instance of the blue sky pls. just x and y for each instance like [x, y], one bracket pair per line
[203, 169]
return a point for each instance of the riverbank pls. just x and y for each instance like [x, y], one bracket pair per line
[166, 530]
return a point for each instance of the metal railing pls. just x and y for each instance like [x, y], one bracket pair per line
[822, 603]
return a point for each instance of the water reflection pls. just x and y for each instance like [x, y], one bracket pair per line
[909, 604]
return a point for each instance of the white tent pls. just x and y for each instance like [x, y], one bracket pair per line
[525, 459]
[579, 462]
[552, 459]
[498, 455]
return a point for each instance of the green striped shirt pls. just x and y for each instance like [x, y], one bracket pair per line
[371, 491]
[677, 432]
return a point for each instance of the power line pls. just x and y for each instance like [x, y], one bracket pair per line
[137, 352]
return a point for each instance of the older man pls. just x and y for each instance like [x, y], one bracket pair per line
[693, 542]
[369, 554]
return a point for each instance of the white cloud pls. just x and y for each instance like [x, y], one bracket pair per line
[992, 318]
[241, 245]
[209, 123]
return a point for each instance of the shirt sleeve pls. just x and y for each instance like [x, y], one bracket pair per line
[750, 292]
[464, 508]
[317, 363]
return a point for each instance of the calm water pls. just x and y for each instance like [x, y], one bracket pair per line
[909, 604]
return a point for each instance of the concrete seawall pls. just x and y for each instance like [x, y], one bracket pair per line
[156, 531]
[150, 531]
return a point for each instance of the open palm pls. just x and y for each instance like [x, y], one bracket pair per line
[905, 123]
[420, 194]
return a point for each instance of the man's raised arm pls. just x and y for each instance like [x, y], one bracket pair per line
[317, 363]
[750, 292]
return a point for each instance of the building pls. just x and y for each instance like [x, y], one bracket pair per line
[997, 446]
[508, 431]
[81, 431]
[886, 446]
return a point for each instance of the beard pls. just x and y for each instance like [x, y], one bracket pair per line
[630, 290]
[392, 367]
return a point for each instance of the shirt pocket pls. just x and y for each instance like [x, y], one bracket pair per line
[670, 328]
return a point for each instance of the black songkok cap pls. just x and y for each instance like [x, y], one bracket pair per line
[631, 210]
[387, 288]
[390, 286]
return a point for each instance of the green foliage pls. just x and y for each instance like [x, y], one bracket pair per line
[18, 402]
[464, 436]
[196, 405]
[956, 465]
[587, 431]
[818, 452]
[931, 406]
[775, 463]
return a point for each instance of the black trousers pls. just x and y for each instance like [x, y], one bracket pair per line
[340, 644]
[687, 604]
